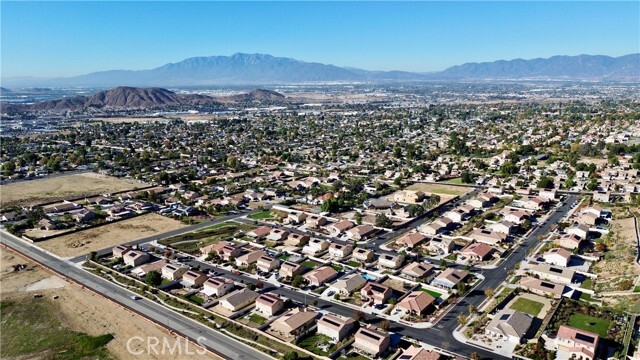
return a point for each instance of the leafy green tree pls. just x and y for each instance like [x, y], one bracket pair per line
[466, 177]
[153, 278]
[545, 182]
[383, 221]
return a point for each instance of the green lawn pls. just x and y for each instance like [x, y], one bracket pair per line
[589, 323]
[587, 283]
[435, 294]
[455, 181]
[261, 215]
[527, 306]
[313, 343]
[310, 264]
[284, 257]
[196, 299]
[337, 267]
[636, 289]
[34, 329]
[353, 263]
[257, 319]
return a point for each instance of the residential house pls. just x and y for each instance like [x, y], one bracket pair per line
[548, 194]
[259, 233]
[141, 271]
[119, 250]
[411, 240]
[296, 322]
[417, 303]
[488, 237]
[278, 235]
[576, 343]
[334, 327]
[315, 246]
[341, 226]
[504, 227]
[320, 276]
[269, 304]
[217, 287]
[515, 216]
[46, 224]
[580, 230]
[363, 255]
[361, 232]
[371, 341]
[239, 299]
[340, 251]
[249, 258]
[419, 270]
[193, 278]
[378, 293]
[315, 221]
[409, 196]
[534, 203]
[84, 216]
[557, 256]
[477, 252]
[267, 264]
[542, 287]
[290, 269]
[135, 258]
[349, 284]
[602, 196]
[439, 225]
[173, 272]
[553, 273]
[296, 217]
[569, 241]
[509, 324]
[297, 240]
[440, 246]
[391, 261]
[449, 278]
[418, 353]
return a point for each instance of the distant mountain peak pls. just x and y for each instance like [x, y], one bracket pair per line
[260, 69]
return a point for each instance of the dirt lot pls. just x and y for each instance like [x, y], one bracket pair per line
[61, 187]
[444, 190]
[105, 236]
[619, 263]
[80, 310]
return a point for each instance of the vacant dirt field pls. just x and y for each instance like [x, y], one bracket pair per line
[619, 263]
[62, 187]
[109, 235]
[81, 310]
[440, 189]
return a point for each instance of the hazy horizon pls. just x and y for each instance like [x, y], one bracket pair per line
[41, 39]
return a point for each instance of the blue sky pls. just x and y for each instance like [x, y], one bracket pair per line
[47, 39]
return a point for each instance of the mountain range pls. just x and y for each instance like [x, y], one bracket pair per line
[257, 69]
[124, 97]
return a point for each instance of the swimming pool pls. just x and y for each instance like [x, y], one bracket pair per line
[369, 277]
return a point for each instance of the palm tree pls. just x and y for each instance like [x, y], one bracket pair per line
[462, 319]
[489, 292]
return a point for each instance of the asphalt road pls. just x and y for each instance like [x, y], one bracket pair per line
[218, 343]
